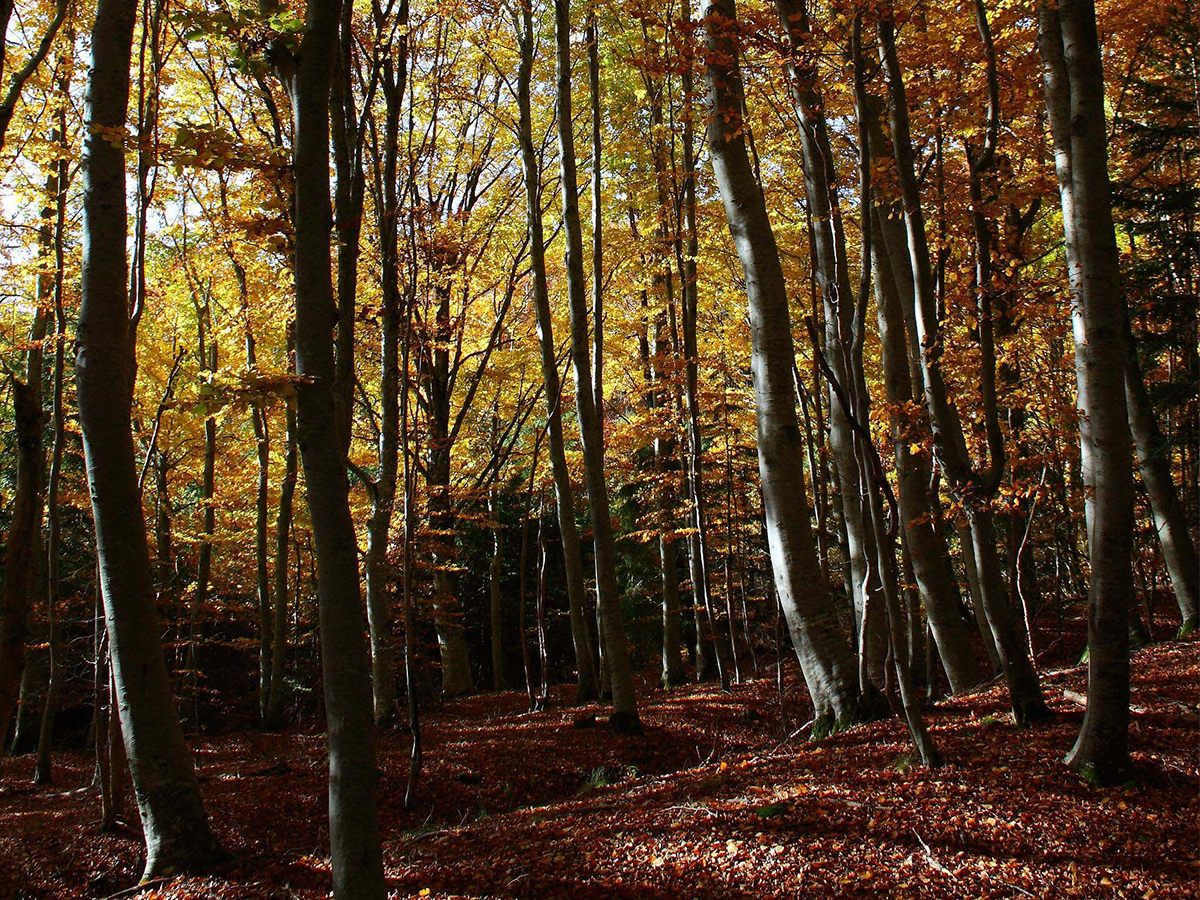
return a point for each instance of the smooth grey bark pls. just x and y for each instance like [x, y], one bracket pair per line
[1154, 463]
[971, 571]
[585, 666]
[833, 280]
[591, 429]
[356, 857]
[1073, 78]
[174, 824]
[973, 488]
[874, 481]
[926, 547]
[821, 648]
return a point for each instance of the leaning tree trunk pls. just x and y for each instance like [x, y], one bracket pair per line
[357, 860]
[822, 649]
[927, 548]
[608, 600]
[1073, 77]
[833, 279]
[1170, 518]
[173, 820]
[1024, 688]
[588, 686]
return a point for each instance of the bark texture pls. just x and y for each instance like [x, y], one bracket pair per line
[353, 775]
[1074, 87]
[173, 820]
[824, 655]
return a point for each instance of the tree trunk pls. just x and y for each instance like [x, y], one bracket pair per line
[587, 683]
[608, 600]
[262, 577]
[1170, 518]
[173, 820]
[927, 549]
[353, 775]
[58, 192]
[383, 495]
[19, 549]
[348, 212]
[499, 677]
[283, 527]
[975, 490]
[1074, 86]
[820, 646]
[833, 279]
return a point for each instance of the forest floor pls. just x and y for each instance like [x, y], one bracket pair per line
[718, 799]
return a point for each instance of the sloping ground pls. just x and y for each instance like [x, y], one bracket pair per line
[713, 802]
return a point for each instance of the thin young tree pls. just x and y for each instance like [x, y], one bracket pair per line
[591, 426]
[587, 683]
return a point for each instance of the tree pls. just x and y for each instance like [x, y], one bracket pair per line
[174, 824]
[591, 428]
[819, 644]
[353, 775]
[1073, 76]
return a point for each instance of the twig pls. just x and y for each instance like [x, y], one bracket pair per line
[139, 887]
[932, 860]
[162, 405]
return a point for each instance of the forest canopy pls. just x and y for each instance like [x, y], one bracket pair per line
[767, 371]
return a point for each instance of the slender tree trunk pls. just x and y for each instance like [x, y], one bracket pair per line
[383, 495]
[499, 677]
[262, 575]
[1170, 518]
[207, 350]
[43, 770]
[283, 527]
[587, 683]
[820, 646]
[348, 212]
[608, 600]
[19, 570]
[174, 824]
[1074, 86]
[593, 44]
[927, 549]
[975, 490]
[353, 774]
[833, 279]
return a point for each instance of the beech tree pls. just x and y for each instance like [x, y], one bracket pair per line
[176, 829]
[1073, 75]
